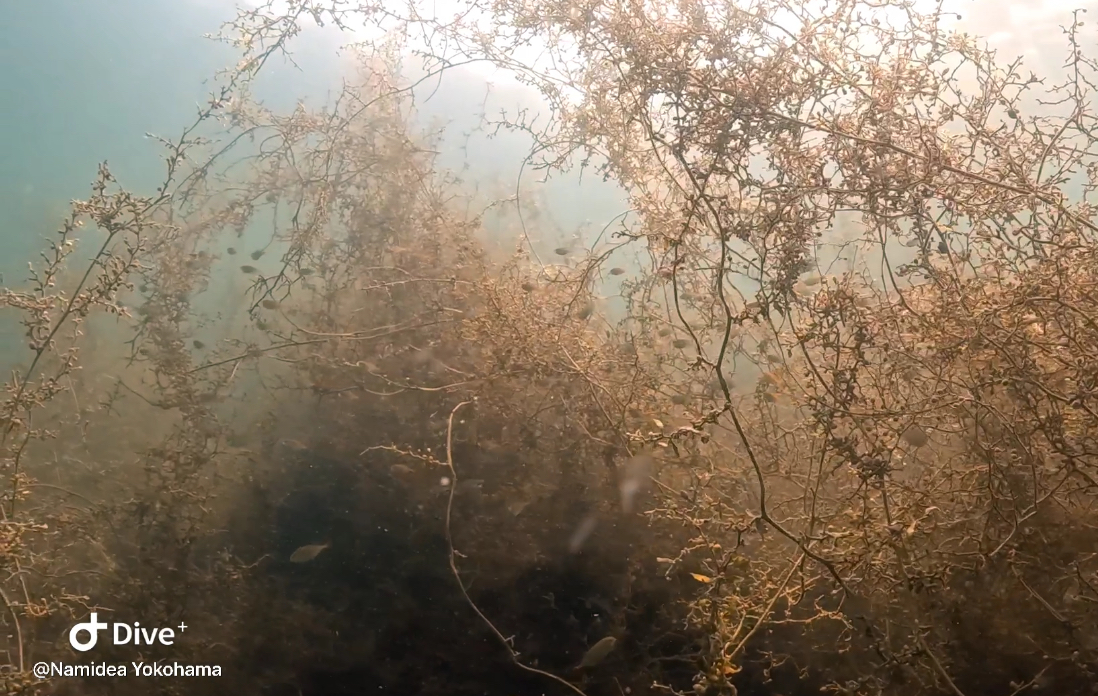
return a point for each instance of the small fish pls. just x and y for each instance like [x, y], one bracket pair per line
[515, 507]
[248, 269]
[617, 271]
[586, 311]
[231, 251]
[472, 490]
[680, 343]
[307, 553]
[528, 286]
[269, 304]
[294, 445]
[198, 344]
[262, 325]
[583, 531]
[256, 254]
[635, 476]
[561, 251]
[598, 652]
[306, 271]
[915, 436]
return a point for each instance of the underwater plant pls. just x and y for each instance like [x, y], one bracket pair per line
[832, 431]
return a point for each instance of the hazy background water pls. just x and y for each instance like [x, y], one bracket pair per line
[83, 82]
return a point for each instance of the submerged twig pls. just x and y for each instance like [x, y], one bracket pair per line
[457, 576]
[18, 628]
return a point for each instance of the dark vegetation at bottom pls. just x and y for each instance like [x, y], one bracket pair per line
[380, 611]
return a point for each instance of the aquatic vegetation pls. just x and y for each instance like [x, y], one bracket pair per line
[416, 393]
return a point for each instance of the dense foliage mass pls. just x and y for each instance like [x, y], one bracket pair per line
[838, 435]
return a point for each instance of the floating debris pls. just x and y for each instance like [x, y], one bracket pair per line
[617, 271]
[307, 553]
[598, 652]
[257, 254]
[248, 269]
[269, 304]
